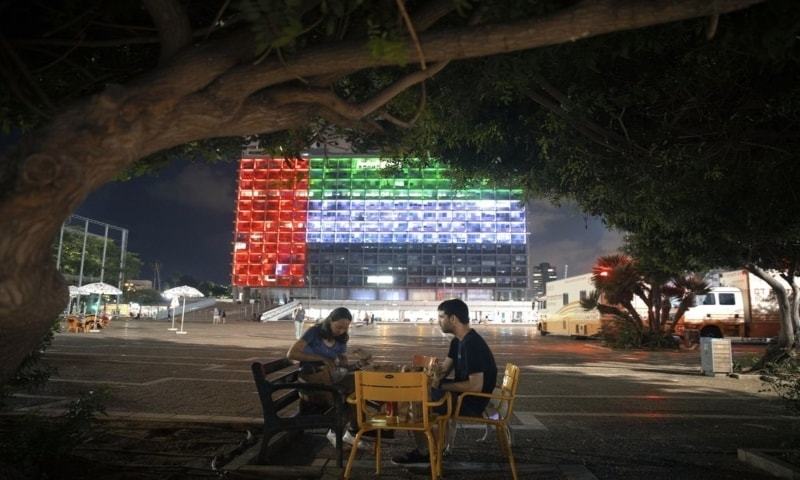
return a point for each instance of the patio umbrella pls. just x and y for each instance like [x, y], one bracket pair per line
[182, 292]
[100, 289]
[76, 291]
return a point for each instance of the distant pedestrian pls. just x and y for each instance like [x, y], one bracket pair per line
[216, 316]
[372, 318]
[222, 317]
[299, 316]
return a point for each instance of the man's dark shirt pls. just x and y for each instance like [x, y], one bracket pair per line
[472, 355]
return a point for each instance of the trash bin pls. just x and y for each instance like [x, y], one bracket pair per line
[716, 356]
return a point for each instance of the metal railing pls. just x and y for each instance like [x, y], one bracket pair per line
[279, 312]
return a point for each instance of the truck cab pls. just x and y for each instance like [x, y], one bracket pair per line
[717, 314]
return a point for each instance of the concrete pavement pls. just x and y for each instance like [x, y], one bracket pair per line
[583, 411]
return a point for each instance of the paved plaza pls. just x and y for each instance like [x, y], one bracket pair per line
[583, 411]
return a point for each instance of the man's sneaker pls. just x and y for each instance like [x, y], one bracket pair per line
[412, 457]
[348, 438]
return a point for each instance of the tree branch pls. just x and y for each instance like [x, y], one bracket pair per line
[34, 85]
[363, 125]
[423, 19]
[554, 108]
[412, 33]
[584, 20]
[217, 18]
[394, 120]
[430, 13]
[609, 137]
[331, 101]
[15, 88]
[172, 22]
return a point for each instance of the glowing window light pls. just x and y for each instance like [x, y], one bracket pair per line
[380, 279]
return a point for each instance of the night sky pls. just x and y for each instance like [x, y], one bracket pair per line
[183, 217]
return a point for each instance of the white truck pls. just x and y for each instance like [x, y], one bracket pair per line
[717, 314]
[741, 307]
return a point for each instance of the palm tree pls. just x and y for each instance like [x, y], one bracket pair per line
[684, 288]
[618, 279]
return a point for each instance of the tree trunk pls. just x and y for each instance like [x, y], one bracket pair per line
[795, 313]
[634, 314]
[666, 327]
[786, 336]
[56, 169]
[682, 308]
[656, 308]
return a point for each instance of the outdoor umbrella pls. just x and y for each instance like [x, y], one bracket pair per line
[76, 291]
[100, 289]
[183, 291]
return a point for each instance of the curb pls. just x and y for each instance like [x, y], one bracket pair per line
[761, 458]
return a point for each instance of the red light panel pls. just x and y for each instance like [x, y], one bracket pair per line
[270, 232]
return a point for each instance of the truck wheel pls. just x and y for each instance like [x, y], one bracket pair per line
[711, 332]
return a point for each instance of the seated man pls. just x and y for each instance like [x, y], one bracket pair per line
[472, 362]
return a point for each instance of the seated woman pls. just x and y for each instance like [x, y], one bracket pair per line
[324, 344]
[322, 349]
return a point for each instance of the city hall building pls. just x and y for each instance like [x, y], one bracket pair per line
[338, 228]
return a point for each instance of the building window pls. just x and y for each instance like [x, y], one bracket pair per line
[565, 299]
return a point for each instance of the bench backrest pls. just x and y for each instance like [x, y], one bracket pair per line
[266, 375]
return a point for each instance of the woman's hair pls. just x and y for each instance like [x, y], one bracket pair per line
[326, 332]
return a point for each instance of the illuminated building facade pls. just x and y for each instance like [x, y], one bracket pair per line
[338, 228]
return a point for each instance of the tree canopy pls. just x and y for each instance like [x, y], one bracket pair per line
[684, 135]
[99, 87]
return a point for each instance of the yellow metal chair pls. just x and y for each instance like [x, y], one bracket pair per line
[396, 387]
[503, 402]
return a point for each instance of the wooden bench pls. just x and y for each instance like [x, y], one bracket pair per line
[279, 389]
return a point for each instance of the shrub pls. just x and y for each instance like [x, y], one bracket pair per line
[784, 379]
[620, 332]
[40, 447]
[32, 373]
